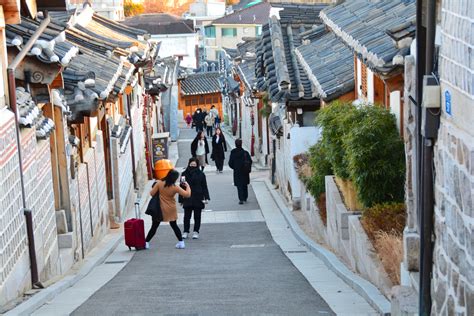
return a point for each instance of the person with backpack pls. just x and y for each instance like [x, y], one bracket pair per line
[241, 162]
[168, 189]
[199, 197]
[219, 147]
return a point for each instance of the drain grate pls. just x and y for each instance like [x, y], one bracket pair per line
[295, 251]
[115, 262]
[248, 246]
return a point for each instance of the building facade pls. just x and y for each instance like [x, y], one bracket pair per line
[111, 9]
[177, 36]
[453, 256]
[229, 30]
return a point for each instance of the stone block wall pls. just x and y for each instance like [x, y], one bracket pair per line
[84, 206]
[14, 259]
[14, 262]
[347, 238]
[123, 177]
[138, 139]
[453, 270]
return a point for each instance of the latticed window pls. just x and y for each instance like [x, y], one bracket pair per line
[188, 102]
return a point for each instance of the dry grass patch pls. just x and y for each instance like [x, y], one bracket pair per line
[389, 247]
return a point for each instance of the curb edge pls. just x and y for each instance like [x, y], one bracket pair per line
[363, 287]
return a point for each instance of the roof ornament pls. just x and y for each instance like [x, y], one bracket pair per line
[17, 40]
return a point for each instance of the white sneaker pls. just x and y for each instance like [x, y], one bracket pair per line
[147, 245]
[195, 235]
[180, 245]
[185, 235]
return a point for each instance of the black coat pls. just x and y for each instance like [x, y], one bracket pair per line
[199, 191]
[218, 148]
[198, 119]
[236, 162]
[194, 146]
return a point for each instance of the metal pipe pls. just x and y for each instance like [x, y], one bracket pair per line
[132, 145]
[12, 100]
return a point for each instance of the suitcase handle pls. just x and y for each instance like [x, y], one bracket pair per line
[137, 208]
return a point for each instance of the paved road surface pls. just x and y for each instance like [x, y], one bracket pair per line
[235, 267]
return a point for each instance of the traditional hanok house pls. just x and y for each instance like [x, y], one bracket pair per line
[252, 124]
[167, 69]
[199, 90]
[230, 90]
[104, 89]
[72, 177]
[292, 98]
[380, 34]
[28, 259]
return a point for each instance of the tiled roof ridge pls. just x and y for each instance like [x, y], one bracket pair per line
[294, 62]
[118, 26]
[314, 81]
[244, 10]
[328, 63]
[283, 78]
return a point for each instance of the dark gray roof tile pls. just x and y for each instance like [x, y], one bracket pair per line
[200, 83]
[379, 31]
[329, 64]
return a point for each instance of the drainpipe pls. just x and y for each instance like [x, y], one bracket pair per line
[12, 100]
[427, 194]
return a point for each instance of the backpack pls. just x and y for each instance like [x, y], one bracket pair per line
[247, 163]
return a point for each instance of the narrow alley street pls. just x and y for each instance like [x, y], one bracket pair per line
[235, 268]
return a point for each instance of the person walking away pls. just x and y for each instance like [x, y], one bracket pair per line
[168, 190]
[209, 120]
[199, 197]
[219, 147]
[241, 162]
[198, 120]
[188, 119]
[200, 149]
[215, 112]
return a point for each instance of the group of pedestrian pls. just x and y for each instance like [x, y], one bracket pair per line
[203, 120]
[200, 149]
[192, 187]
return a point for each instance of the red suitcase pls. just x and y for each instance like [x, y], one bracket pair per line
[135, 231]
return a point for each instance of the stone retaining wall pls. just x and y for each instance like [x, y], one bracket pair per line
[348, 239]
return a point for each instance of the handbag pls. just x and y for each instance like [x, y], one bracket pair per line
[154, 208]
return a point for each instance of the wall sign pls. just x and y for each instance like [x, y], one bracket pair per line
[447, 97]
[160, 146]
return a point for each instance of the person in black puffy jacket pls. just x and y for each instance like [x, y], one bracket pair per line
[199, 197]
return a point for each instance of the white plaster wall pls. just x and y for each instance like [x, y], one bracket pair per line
[395, 106]
[370, 86]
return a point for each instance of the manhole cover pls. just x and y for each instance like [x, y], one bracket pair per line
[248, 246]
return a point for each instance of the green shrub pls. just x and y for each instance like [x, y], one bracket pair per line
[336, 120]
[320, 167]
[375, 156]
[387, 217]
